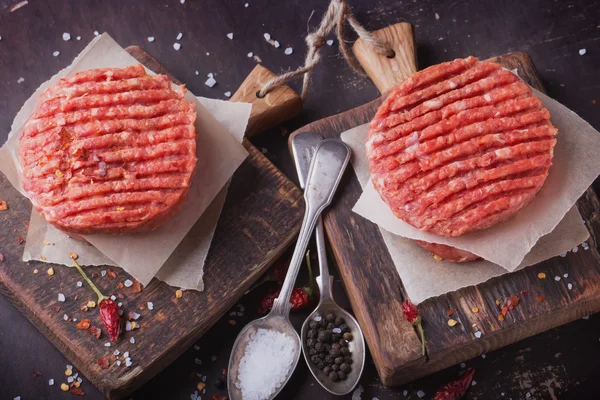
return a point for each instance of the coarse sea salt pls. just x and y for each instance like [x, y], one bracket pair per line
[56, 53]
[66, 36]
[230, 35]
[356, 395]
[288, 51]
[176, 46]
[151, 39]
[267, 360]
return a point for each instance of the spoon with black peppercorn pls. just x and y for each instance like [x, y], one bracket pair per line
[267, 350]
[332, 341]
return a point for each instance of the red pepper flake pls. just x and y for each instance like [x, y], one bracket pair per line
[120, 285]
[94, 275]
[136, 287]
[103, 362]
[224, 372]
[19, 240]
[120, 295]
[299, 299]
[36, 373]
[1, 257]
[111, 274]
[94, 331]
[77, 392]
[524, 292]
[3, 206]
[509, 304]
[109, 313]
[84, 324]
[412, 315]
[219, 397]
[455, 390]
[57, 309]
[451, 311]
[541, 299]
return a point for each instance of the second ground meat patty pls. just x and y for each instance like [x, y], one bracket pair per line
[460, 146]
[109, 150]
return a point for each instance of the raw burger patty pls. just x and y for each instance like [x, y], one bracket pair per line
[109, 150]
[460, 146]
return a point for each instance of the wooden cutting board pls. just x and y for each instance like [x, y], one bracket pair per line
[375, 289]
[260, 218]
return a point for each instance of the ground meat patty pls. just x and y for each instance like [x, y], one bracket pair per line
[460, 146]
[448, 253]
[109, 150]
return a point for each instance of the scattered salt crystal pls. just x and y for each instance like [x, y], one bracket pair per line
[227, 94]
[574, 249]
[569, 286]
[128, 363]
[356, 395]
[210, 82]
[179, 36]
[232, 314]
[329, 42]
[79, 379]
[66, 317]
[69, 366]
[240, 314]
[126, 354]
[420, 394]
[582, 52]
[213, 358]
[74, 319]
[132, 340]
[70, 379]
[151, 39]
[197, 73]
[204, 378]
[128, 326]
[437, 16]
[502, 394]
[230, 35]
[128, 283]
[66, 36]
[17, 398]
[0, 37]
[405, 393]
[207, 53]
[61, 297]
[563, 254]
[176, 46]
[250, 54]
[56, 53]
[241, 307]
[586, 317]
[473, 383]
[21, 80]
[96, 33]
[566, 275]
[210, 75]
[288, 51]
[196, 347]
[463, 365]
[477, 334]
[107, 344]
[557, 278]
[317, 318]
[103, 272]
[78, 38]
[51, 382]
[483, 356]
[246, 5]
[375, 398]
[527, 395]
[113, 297]
[267, 37]
[336, 330]
[198, 361]
[117, 352]
[150, 306]
[118, 363]
[266, 363]
[276, 44]
[79, 284]
[182, 1]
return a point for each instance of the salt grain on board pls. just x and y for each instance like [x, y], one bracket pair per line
[227, 94]
[79, 284]
[176, 46]
[56, 53]
[288, 51]
[566, 275]
[151, 39]
[276, 44]
[437, 16]
[66, 36]
[267, 37]
[51, 382]
[329, 42]
[230, 35]
[246, 5]
[563, 254]
[356, 395]
[78, 37]
[582, 52]
[128, 283]
[420, 394]
[250, 55]
[21, 80]
[61, 297]
[557, 278]
[150, 306]
[463, 365]
[96, 33]
[477, 334]
[210, 82]
[267, 360]
[179, 36]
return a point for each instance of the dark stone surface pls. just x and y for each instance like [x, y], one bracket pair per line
[559, 364]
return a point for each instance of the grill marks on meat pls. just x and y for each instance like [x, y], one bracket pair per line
[460, 146]
[109, 150]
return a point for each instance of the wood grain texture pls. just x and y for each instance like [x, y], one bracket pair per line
[365, 265]
[387, 72]
[260, 218]
[277, 106]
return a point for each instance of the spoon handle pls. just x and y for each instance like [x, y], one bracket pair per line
[326, 170]
[324, 279]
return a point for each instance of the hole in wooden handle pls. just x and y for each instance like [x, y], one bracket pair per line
[390, 54]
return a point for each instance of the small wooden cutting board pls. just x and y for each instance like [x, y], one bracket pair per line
[375, 288]
[260, 219]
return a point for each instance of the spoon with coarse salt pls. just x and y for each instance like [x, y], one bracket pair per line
[303, 147]
[267, 350]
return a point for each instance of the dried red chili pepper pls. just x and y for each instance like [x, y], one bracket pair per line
[455, 390]
[109, 313]
[109, 310]
[412, 315]
[77, 391]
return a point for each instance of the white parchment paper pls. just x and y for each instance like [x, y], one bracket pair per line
[575, 166]
[219, 154]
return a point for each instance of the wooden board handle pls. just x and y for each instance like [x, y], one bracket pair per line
[279, 105]
[386, 73]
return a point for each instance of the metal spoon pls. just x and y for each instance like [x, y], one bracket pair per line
[328, 165]
[303, 146]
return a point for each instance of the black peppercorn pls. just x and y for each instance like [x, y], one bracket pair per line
[339, 360]
[220, 383]
[344, 328]
[339, 321]
[348, 359]
[329, 359]
[312, 333]
[324, 336]
[333, 376]
[335, 337]
[313, 324]
[344, 367]
[341, 375]
[315, 359]
[311, 343]
[344, 350]
[335, 367]
[327, 370]
[347, 336]
[321, 356]
[312, 352]
[326, 347]
[319, 346]
[330, 318]
[330, 326]
[335, 353]
[321, 365]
